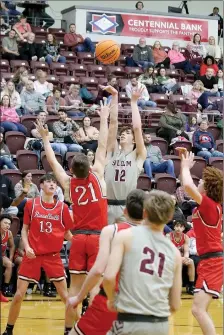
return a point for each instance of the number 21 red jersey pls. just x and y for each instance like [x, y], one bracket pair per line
[88, 203]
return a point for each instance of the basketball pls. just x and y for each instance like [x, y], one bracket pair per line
[107, 52]
[182, 151]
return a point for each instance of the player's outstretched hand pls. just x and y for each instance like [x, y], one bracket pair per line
[110, 89]
[73, 302]
[30, 253]
[42, 129]
[187, 160]
[105, 108]
[136, 94]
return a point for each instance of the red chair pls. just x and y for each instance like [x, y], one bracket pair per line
[26, 160]
[27, 121]
[161, 143]
[66, 81]
[216, 132]
[63, 47]
[95, 122]
[4, 63]
[189, 78]
[117, 71]
[199, 166]
[165, 182]
[91, 83]
[40, 40]
[53, 79]
[36, 175]
[220, 145]
[58, 33]
[50, 120]
[216, 162]
[44, 161]
[7, 75]
[127, 49]
[98, 71]
[161, 99]
[123, 98]
[14, 175]
[86, 58]
[180, 144]
[174, 74]
[167, 49]
[179, 100]
[39, 32]
[71, 57]
[144, 183]
[130, 71]
[39, 66]
[15, 141]
[121, 61]
[15, 226]
[59, 69]
[78, 70]
[176, 162]
[16, 64]
[69, 157]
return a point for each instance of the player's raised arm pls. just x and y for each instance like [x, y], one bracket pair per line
[58, 170]
[100, 157]
[113, 127]
[137, 125]
[187, 162]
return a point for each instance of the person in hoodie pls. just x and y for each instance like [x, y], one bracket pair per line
[32, 102]
[142, 54]
[204, 142]
[144, 100]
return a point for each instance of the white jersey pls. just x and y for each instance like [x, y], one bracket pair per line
[147, 274]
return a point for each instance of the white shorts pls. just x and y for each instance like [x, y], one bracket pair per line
[114, 213]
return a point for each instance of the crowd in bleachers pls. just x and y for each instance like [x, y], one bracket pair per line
[54, 76]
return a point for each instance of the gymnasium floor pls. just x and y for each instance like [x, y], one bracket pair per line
[40, 316]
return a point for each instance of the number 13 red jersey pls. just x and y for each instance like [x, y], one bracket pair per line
[88, 203]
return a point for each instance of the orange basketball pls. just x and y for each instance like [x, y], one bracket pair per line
[107, 52]
[181, 151]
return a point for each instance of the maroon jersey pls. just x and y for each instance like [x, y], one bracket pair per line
[207, 221]
[47, 225]
[4, 241]
[88, 203]
[178, 244]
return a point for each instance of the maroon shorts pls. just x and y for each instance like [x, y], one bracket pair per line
[97, 320]
[30, 269]
[83, 253]
[210, 276]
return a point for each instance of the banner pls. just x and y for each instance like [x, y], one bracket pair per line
[149, 26]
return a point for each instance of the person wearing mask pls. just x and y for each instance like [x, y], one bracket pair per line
[51, 51]
[160, 56]
[213, 49]
[142, 54]
[76, 42]
[23, 26]
[74, 102]
[87, 135]
[208, 63]
[196, 46]
[172, 123]
[143, 100]
[30, 51]
[154, 162]
[9, 118]
[32, 101]
[5, 155]
[55, 102]
[220, 21]
[139, 5]
[204, 143]
[178, 60]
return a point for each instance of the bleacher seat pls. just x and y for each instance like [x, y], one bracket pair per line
[161, 143]
[14, 175]
[27, 121]
[127, 49]
[26, 160]
[130, 71]
[216, 132]
[70, 56]
[98, 71]
[122, 84]
[176, 162]
[166, 48]
[69, 156]
[59, 69]
[95, 122]
[174, 74]
[161, 99]
[51, 78]
[220, 145]
[78, 70]
[44, 161]
[144, 182]
[39, 66]
[36, 175]
[178, 99]
[216, 162]
[123, 98]
[16, 64]
[15, 141]
[15, 226]
[50, 120]
[121, 61]
[63, 47]
[59, 33]
[4, 63]
[182, 144]
[86, 58]
[91, 83]
[165, 182]
[7, 75]
[117, 71]
[102, 81]
[199, 166]
[40, 40]
[39, 32]
[66, 81]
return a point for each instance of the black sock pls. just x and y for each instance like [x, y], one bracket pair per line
[9, 327]
[67, 330]
[6, 285]
[191, 283]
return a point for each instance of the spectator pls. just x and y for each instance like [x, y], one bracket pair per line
[213, 49]
[178, 60]
[49, 21]
[196, 46]
[5, 28]
[64, 131]
[160, 55]
[26, 183]
[10, 49]
[23, 27]
[20, 78]
[91, 157]
[5, 156]
[220, 22]
[30, 51]
[208, 63]
[51, 51]
[154, 162]
[55, 102]
[210, 83]
[8, 10]
[87, 135]
[220, 82]
[9, 118]
[143, 101]
[149, 79]
[204, 143]
[167, 84]
[191, 127]
[7, 189]
[142, 54]
[15, 100]
[196, 92]
[73, 101]
[172, 123]
[111, 81]
[186, 203]
[139, 5]
[32, 101]
[41, 85]
[76, 42]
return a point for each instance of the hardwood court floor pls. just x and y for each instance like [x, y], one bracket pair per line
[40, 316]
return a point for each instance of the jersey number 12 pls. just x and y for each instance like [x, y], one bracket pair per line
[119, 175]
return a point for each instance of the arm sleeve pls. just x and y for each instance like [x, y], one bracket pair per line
[67, 220]
[27, 212]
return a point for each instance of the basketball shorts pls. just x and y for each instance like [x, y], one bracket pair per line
[30, 269]
[83, 253]
[114, 213]
[97, 319]
[139, 328]
[210, 276]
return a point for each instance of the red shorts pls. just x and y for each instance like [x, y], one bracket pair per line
[30, 269]
[83, 253]
[97, 320]
[210, 276]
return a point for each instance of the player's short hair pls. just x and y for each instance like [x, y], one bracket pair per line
[134, 204]
[48, 177]
[5, 216]
[179, 222]
[159, 207]
[126, 128]
[213, 183]
[80, 165]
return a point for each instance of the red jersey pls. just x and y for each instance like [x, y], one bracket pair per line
[207, 221]
[88, 203]
[4, 241]
[178, 244]
[47, 225]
